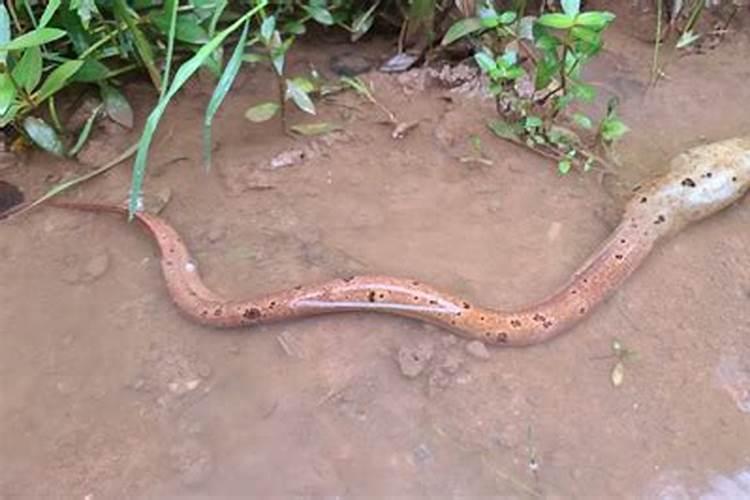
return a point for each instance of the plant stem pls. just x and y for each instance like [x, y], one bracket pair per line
[282, 102]
[657, 43]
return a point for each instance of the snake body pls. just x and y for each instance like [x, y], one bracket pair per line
[700, 182]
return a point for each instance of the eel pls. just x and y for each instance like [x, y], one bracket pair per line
[699, 183]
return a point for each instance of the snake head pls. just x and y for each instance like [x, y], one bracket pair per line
[701, 182]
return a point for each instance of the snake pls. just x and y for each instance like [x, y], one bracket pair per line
[700, 182]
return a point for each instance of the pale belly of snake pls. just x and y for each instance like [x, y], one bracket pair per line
[701, 181]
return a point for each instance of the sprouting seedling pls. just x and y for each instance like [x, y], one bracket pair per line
[363, 90]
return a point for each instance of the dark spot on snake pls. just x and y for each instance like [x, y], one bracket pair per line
[204, 313]
[481, 318]
[171, 250]
[734, 178]
[637, 188]
[218, 311]
[168, 262]
[458, 313]
[192, 293]
[515, 323]
[371, 296]
[467, 305]
[538, 317]
[707, 174]
[573, 292]
[416, 298]
[585, 280]
[298, 287]
[623, 241]
[252, 313]
[582, 310]
[502, 337]
[488, 335]
[688, 182]
[618, 256]
[381, 295]
[415, 283]
[644, 199]
[660, 219]
[453, 322]
[348, 279]
[272, 304]
[547, 324]
[433, 301]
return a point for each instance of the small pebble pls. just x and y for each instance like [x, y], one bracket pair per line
[477, 349]
[413, 360]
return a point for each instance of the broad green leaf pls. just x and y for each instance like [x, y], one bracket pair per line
[91, 71]
[363, 22]
[10, 114]
[142, 45]
[294, 27]
[546, 69]
[43, 135]
[262, 112]
[594, 19]
[582, 120]
[504, 129]
[532, 122]
[304, 84]
[557, 21]
[186, 70]
[582, 91]
[57, 79]
[116, 106]
[253, 58]
[221, 91]
[571, 8]
[461, 29]
[508, 17]
[300, 97]
[311, 129]
[585, 34]
[4, 31]
[49, 11]
[187, 29]
[7, 93]
[85, 132]
[28, 71]
[33, 39]
[547, 43]
[320, 14]
[267, 28]
[563, 166]
[485, 61]
[612, 129]
[85, 10]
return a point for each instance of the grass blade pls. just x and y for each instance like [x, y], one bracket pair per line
[181, 76]
[220, 92]
[122, 11]
[170, 6]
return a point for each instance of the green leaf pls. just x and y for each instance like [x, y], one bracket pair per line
[311, 129]
[85, 10]
[185, 71]
[504, 129]
[43, 135]
[612, 128]
[33, 39]
[320, 14]
[557, 21]
[28, 71]
[187, 28]
[587, 35]
[146, 54]
[582, 120]
[300, 97]
[363, 22]
[262, 112]
[267, 28]
[485, 61]
[57, 79]
[85, 132]
[221, 91]
[687, 38]
[116, 106]
[595, 20]
[582, 91]
[91, 71]
[10, 114]
[508, 17]
[294, 27]
[532, 122]
[546, 69]
[461, 29]
[49, 11]
[547, 43]
[571, 7]
[4, 31]
[563, 166]
[7, 93]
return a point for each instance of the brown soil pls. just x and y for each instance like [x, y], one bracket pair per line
[108, 392]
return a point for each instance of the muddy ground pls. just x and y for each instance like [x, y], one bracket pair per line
[107, 391]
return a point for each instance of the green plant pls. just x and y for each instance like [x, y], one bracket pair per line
[534, 65]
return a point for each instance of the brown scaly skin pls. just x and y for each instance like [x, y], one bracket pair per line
[701, 181]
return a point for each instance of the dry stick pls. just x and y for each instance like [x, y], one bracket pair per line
[657, 43]
[59, 188]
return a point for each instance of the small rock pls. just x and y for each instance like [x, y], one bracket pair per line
[215, 234]
[350, 64]
[422, 454]
[451, 364]
[554, 231]
[413, 360]
[203, 369]
[287, 158]
[96, 267]
[477, 349]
